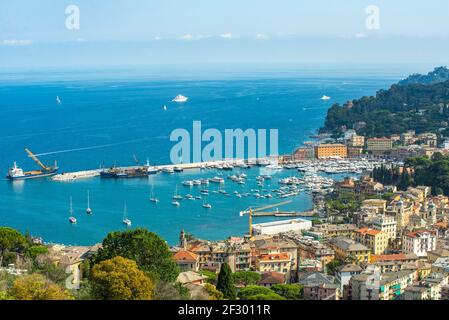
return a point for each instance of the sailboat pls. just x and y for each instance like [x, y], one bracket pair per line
[72, 219]
[165, 108]
[58, 100]
[152, 197]
[206, 205]
[176, 195]
[126, 221]
[88, 210]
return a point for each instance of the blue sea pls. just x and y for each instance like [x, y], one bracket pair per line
[109, 116]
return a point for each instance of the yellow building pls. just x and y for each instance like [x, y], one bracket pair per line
[379, 144]
[357, 141]
[331, 151]
[274, 262]
[348, 250]
[376, 240]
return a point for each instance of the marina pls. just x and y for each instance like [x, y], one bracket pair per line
[83, 150]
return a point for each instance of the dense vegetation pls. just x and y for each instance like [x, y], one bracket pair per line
[413, 106]
[439, 74]
[419, 171]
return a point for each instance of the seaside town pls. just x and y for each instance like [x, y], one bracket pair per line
[363, 240]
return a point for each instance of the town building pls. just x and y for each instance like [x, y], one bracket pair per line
[419, 242]
[324, 151]
[276, 227]
[385, 286]
[374, 239]
[379, 145]
[319, 286]
[386, 224]
[345, 273]
[356, 141]
[348, 250]
[186, 260]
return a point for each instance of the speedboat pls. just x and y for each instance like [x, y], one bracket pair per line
[325, 98]
[176, 203]
[188, 183]
[178, 169]
[207, 206]
[72, 220]
[168, 170]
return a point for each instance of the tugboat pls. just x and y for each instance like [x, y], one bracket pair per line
[16, 173]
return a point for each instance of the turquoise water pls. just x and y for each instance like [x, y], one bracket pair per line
[113, 115]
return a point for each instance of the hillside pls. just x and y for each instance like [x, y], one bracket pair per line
[439, 74]
[419, 107]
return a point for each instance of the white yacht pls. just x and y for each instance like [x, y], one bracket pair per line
[180, 99]
[325, 98]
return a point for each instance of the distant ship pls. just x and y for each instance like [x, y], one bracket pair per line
[58, 100]
[180, 98]
[325, 98]
[17, 173]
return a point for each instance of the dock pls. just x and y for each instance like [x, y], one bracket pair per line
[71, 176]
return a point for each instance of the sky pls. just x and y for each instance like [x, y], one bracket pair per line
[140, 32]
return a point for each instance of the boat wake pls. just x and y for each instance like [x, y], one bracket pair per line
[91, 148]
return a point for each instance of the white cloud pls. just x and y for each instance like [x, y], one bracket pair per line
[191, 37]
[262, 36]
[15, 42]
[227, 35]
[360, 35]
[157, 38]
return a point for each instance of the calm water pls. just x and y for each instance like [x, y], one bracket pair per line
[111, 116]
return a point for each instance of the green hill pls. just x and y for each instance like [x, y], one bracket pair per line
[413, 106]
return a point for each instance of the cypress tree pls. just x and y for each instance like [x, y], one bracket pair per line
[225, 282]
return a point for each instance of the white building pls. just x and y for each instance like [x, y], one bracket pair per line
[419, 242]
[386, 224]
[275, 227]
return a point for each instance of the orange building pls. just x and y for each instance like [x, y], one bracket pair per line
[331, 151]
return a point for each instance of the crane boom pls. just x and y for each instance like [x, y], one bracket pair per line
[32, 156]
[250, 212]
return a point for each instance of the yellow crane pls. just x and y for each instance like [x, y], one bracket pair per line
[32, 156]
[250, 212]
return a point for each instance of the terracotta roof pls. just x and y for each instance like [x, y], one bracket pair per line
[274, 257]
[390, 257]
[272, 278]
[368, 231]
[185, 256]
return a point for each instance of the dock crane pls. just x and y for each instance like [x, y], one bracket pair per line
[251, 210]
[32, 156]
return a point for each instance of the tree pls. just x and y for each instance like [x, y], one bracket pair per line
[225, 282]
[151, 253]
[211, 276]
[213, 292]
[269, 296]
[289, 291]
[333, 266]
[37, 287]
[10, 241]
[258, 293]
[245, 278]
[120, 279]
